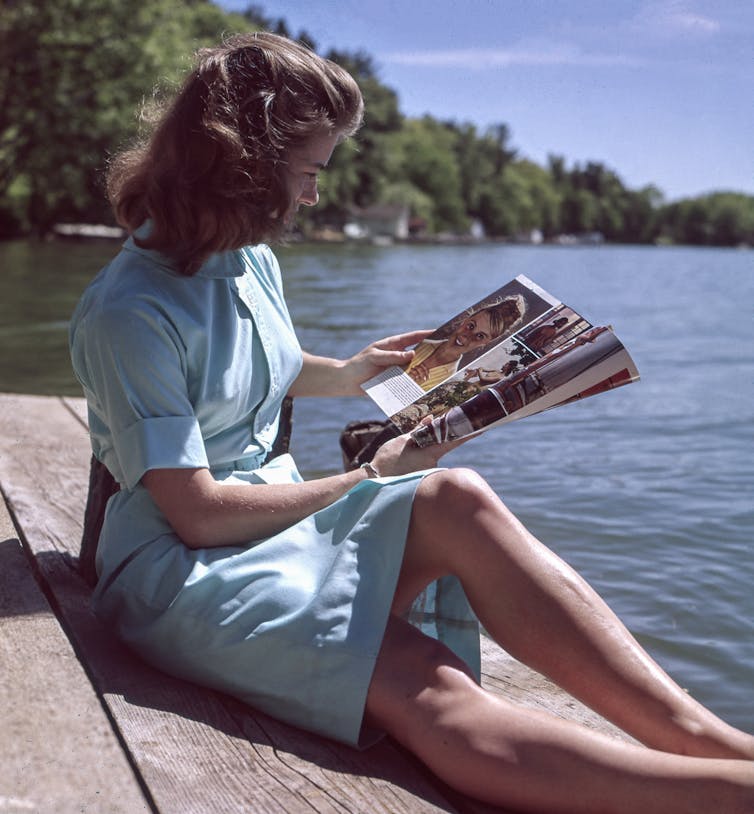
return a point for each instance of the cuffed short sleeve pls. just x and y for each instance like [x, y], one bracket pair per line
[132, 361]
[158, 443]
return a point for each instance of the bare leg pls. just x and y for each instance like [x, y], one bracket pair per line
[544, 614]
[490, 749]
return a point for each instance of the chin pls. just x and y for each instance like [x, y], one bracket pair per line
[290, 218]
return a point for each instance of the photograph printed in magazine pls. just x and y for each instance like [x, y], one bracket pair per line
[517, 352]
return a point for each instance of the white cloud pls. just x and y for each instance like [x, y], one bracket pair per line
[482, 58]
[674, 17]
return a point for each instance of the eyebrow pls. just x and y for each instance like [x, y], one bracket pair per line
[306, 161]
[312, 162]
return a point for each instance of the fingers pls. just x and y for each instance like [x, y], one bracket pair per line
[449, 446]
[391, 357]
[401, 341]
[401, 454]
[438, 449]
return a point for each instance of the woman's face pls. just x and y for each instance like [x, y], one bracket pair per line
[472, 333]
[304, 166]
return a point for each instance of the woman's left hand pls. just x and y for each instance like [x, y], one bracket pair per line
[381, 354]
[322, 376]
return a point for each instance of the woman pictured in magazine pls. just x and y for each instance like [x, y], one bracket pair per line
[539, 338]
[223, 567]
[437, 359]
[491, 375]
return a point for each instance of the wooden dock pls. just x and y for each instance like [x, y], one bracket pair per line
[85, 726]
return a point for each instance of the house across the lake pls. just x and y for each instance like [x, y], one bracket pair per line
[378, 222]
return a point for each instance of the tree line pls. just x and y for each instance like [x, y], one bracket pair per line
[74, 73]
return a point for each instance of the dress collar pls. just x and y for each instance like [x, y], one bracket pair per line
[221, 264]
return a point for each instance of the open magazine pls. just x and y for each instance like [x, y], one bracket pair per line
[517, 352]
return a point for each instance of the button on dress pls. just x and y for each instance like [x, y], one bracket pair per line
[191, 372]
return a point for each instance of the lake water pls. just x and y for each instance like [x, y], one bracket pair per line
[647, 490]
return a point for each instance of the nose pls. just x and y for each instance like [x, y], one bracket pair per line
[309, 193]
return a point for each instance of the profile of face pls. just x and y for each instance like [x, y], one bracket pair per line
[304, 165]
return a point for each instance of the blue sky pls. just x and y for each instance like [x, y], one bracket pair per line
[661, 91]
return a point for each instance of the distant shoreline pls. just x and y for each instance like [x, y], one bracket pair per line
[88, 232]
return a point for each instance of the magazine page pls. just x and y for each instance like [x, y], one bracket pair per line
[460, 342]
[593, 362]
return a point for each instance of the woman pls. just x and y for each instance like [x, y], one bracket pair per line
[541, 337]
[291, 595]
[491, 376]
[435, 360]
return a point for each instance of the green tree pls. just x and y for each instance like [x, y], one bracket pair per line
[718, 219]
[382, 119]
[482, 160]
[73, 75]
[426, 160]
[732, 217]
[499, 194]
[471, 164]
[640, 215]
[537, 200]
[594, 198]
[578, 212]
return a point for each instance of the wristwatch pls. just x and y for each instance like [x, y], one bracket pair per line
[370, 469]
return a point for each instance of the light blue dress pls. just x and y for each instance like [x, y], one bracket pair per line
[191, 372]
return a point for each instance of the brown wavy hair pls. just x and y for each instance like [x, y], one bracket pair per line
[211, 175]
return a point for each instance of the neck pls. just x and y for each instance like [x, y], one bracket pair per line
[446, 353]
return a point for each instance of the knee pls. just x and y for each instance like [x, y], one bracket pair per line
[460, 491]
[447, 484]
[458, 504]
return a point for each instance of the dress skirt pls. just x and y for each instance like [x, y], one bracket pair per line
[291, 625]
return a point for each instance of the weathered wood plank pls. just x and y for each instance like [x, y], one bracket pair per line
[42, 452]
[57, 748]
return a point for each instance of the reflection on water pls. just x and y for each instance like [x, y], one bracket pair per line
[39, 286]
[647, 490]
